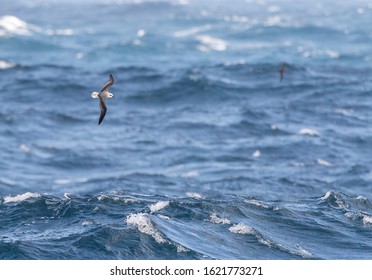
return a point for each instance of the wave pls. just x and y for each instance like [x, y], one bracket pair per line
[11, 25]
[178, 227]
[6, 65]
[20, 197]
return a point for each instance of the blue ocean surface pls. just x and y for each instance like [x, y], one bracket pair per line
[204, 152]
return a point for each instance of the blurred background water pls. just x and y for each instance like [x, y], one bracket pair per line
[204, 153]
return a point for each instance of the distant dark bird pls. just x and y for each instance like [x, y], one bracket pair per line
[103, 95]
[281, 72]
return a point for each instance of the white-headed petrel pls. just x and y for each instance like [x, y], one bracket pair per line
[103, 95]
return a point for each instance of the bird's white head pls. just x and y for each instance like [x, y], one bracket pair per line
[110, 95]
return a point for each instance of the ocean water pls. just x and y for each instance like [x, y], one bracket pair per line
[204, 153]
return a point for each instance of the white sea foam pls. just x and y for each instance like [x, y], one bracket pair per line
[190, 174]
[303, 252]
[62, 181]
[340, 203]
[345, 112]
[213, 218]
[332, 54]
[367, 219]
[323, 162]
[6, 65]
[309, 132]
[158, 206]
[25, 148]
[141, 33]
[142, 222]
[256, 154]
[10, 25]
[194, 195]
[65, 181]
[256, 203]
[273, 21]
[208, 43]
[20, 197]
[64, 32]
[241, 228]
[181, 249]
[191, 31]
[87, 223]
[103, 197]
[327, 195]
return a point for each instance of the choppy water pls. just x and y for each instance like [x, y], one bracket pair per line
[204, 153]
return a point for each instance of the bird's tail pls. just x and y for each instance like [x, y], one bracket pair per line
[95, 94]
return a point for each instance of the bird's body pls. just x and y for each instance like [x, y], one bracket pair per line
[103, 95]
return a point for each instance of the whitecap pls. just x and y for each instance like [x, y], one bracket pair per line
[327, 195]
[273, 21]
[158, 206]
[13, 25]
[65, 181]
[332, 54]
[20, 197]
[181, 249]
[213, 218]
[303, 252]
[345, 112]
[25, 148]
[208, 43]
[190, 174]
[256, 203]
[191, 31]
[323, 162]
[309, 132]
[87, 223]
[62, 181]
[6, 65]
[163, 217]
[144, 225]
[194, 195]
[65, 32]
[67, 195]
[141, 33]
[367, 220]
[256, 154]
[241, 228]
[340, 203]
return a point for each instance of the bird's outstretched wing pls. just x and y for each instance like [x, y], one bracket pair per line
[109, 83]
[103, 108]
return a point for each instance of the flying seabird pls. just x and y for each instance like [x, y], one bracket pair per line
[102, 97]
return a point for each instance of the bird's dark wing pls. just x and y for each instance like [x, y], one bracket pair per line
[103, 107]
[109, 83]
